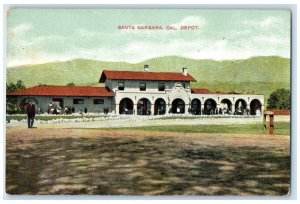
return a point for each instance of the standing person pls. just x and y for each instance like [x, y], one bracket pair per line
[73, 109]
[30, 110]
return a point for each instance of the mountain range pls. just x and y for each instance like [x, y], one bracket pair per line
[255, 75]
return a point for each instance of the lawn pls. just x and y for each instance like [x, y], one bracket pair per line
[281, 128]
[128, 162]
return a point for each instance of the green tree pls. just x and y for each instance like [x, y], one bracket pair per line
[280, 99]
[11, 103]
[20, 85]
[11, 87]
[70, 84]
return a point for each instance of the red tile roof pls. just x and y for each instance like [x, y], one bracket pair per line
[63, 91]
[206, 91]
[149, 76]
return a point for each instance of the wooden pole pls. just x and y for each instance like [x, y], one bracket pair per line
[271, 129]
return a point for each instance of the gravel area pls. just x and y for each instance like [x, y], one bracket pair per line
[137, 121]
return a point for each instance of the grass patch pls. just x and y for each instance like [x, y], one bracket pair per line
[281, 128]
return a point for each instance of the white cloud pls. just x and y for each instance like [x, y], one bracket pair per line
[24, 50]
[138, 51]
[190, 21]
[238, 44]
[34, 58]
[86, 33]
[20, 29]
[266, 23]
[269, 21]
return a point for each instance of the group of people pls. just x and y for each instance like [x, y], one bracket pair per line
[31, 111]
[55, 108]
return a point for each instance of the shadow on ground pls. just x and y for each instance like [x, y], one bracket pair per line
[144, 166]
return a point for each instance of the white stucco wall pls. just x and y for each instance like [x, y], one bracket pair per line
[44, 101]
[169, 95]
[173, 90]
[134, 86]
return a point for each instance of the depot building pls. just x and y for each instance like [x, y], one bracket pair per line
[142, 93]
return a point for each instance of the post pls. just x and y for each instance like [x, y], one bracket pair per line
[186, 109]
[232, 109]
[152, 109]
[271, 129]
[168, 108]
[265, 121]
[271, 114]
[134, 109]
[200, 109]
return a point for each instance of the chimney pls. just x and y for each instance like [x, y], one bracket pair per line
[184, 71]
[146, 68]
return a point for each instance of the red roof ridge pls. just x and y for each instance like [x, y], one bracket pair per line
[142, 75]
[140, 71]
[66, 86]
[201, 91]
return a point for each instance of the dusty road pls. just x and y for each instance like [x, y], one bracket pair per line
[111, 162]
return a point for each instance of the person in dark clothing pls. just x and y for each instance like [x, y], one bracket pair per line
[73, 109]
[85, 110]
[30, 110]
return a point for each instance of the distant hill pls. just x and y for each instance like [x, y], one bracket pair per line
[271, 71]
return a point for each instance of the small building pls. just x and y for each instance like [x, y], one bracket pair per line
[143, 93]
[46, 98]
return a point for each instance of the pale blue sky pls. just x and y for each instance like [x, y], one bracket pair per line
[45, 35]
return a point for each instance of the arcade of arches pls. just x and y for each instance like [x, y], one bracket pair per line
[178, 106]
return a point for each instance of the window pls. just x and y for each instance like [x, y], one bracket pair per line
[98, 101]
[178, 84]
[78, 101]
[161, 86]
[142, 86]
[121, 86]
[183, 85]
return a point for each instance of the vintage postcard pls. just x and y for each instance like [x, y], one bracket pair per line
[148, 102]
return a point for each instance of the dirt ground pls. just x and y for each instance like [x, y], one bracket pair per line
[118, 162]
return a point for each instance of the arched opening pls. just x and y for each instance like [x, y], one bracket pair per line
[255, 107]
[126, 106]
[196, 107]
[226, 106]
[241, 107]
[210, 106]
[159, 107]
[178, 106]
[144, 107]
[23, 104]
